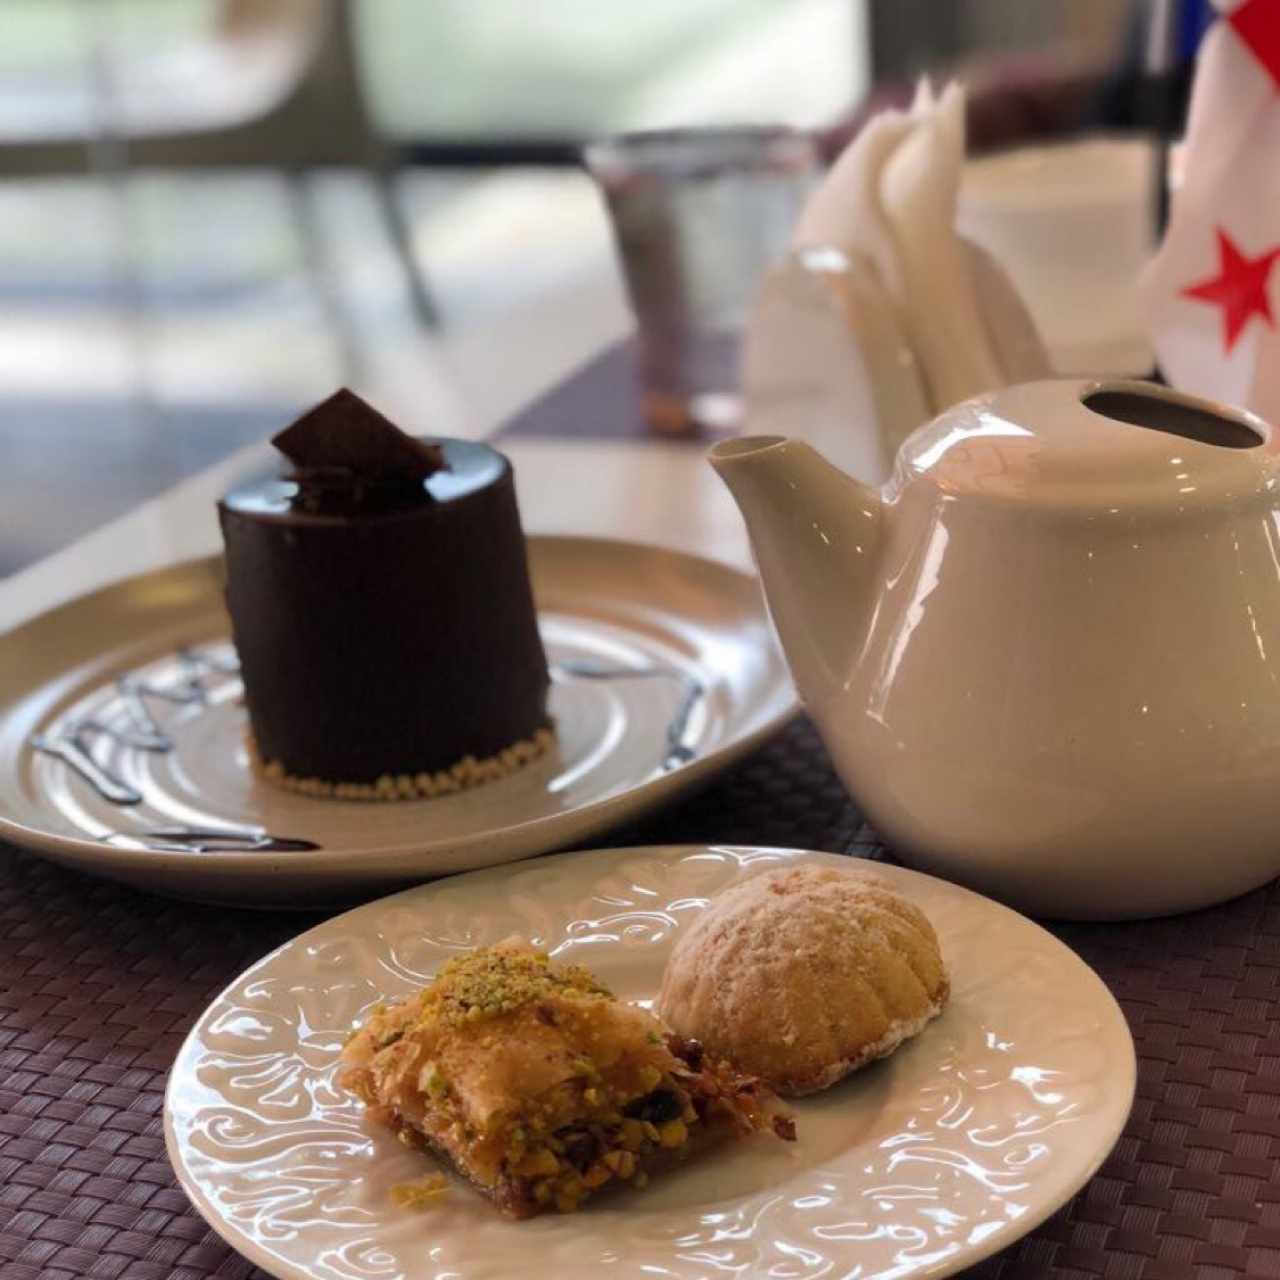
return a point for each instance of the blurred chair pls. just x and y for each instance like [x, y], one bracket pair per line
[276, 84]
[247, 65]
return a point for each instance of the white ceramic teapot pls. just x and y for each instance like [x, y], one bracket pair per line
[1045, 657]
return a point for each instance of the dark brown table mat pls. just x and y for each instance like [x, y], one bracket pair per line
[98, 985]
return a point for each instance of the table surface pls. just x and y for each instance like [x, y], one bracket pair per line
[99, 984]
[153, 322]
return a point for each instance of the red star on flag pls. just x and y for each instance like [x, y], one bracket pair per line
[1257, 23]
[1240, 288]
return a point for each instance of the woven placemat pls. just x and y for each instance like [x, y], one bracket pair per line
[98, 985]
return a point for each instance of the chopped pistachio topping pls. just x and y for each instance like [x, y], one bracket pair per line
[431, 1081]
[497, 980]
[422, 1193]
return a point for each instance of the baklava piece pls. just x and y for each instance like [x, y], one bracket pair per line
[533, 1082]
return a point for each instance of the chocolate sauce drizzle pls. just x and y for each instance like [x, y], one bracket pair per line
[137, 728]
[72, 743]
[678, 750]
[212, 840]
[141, 731]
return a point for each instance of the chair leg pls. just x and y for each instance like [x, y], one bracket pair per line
[320, 272]
[397, 225]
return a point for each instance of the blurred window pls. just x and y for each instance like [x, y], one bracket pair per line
[48, 77]
[486, 71]
[514, 70]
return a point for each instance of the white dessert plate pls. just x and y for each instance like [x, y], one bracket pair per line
[122, 733]
[921, 1165]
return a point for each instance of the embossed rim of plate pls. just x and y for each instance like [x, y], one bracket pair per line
[988, 923]
[180, 598]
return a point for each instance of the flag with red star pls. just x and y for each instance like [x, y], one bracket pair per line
[1211, 295]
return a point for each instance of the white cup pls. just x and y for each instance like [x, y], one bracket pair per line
[1073, 224]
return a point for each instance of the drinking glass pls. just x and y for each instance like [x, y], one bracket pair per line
[698, 215]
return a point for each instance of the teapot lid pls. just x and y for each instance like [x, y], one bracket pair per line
[1092, 442]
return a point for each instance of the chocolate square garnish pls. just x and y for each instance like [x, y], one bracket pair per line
[345, 434]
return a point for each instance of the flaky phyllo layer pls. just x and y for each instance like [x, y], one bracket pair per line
[539, 1086]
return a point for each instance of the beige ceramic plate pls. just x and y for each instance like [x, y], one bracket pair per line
[122, 733]
[964, 1140]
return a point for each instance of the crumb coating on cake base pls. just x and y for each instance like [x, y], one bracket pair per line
[467, 774]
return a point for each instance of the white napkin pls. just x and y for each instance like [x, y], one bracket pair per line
[883, 315]
[1209, 295]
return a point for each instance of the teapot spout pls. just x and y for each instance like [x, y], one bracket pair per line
[815, 535]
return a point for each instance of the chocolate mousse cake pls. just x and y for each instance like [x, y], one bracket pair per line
[380, 603]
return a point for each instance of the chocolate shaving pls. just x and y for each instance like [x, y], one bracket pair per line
[345, 436]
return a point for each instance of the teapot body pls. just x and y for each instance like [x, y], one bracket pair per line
[1045, 657]
[1077, 711]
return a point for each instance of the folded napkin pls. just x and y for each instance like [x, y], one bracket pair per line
[882, 316]
[1207, 296]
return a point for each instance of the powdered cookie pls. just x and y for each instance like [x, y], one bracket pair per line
[804, 974]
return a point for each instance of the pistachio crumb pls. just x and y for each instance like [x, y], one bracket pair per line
[496, 980]
[468, 772]
[422, 1193]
